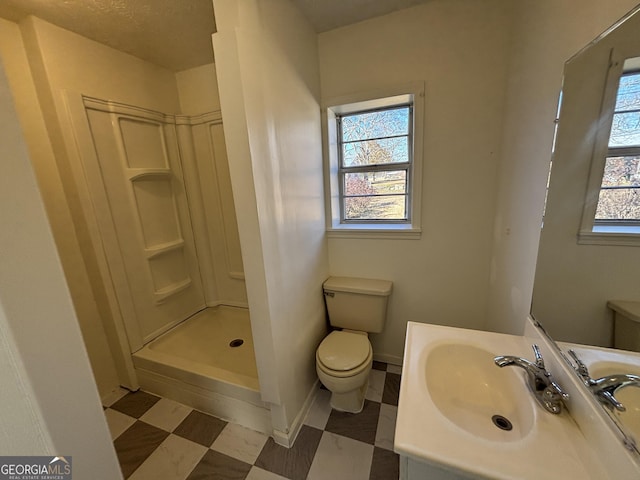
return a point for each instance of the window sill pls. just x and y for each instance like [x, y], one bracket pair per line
[391, 231]
[611, 235]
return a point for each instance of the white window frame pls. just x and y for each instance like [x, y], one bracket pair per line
[412, 94]
[599, 233]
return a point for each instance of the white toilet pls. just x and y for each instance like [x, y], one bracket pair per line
[344, 358]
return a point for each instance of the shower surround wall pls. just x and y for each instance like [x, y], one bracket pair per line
[43, 63]
[147, 173]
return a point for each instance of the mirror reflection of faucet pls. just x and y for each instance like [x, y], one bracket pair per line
[605, 388]
[545, 390]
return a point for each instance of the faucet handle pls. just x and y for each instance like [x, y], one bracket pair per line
[581, 368]
[611, 401]
[539, 359]
[555, 390]
[552, 397]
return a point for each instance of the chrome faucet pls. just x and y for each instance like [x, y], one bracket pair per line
[605, 388]
[547, 392]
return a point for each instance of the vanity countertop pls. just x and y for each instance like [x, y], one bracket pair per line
[628, 308]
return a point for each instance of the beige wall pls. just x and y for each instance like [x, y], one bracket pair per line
[50, 404]
[15, 59]
[545, 35]
[198, 90]
[460, 50]
[266, 55]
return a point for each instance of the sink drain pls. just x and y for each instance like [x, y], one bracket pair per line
[236, 342]
[501, 422]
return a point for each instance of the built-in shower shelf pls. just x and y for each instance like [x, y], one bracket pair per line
[163, 248]
[139, 173]
[170, 290]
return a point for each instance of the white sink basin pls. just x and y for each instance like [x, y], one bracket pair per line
[628, 396]
[451, 388]
[602, 362]
[473, 393]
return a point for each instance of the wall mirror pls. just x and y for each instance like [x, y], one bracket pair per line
[589, 255]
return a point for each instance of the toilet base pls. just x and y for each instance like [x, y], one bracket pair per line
[349, 402]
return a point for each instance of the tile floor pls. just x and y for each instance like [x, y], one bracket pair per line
[159, 439]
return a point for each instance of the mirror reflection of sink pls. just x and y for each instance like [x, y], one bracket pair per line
[602, 362]
[628, 396]
[468, 389]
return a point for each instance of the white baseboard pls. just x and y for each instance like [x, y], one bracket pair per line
[392, 359]
[286, 439]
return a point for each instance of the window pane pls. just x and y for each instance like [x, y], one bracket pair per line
[385, 123]
[621, 172]
[375, 208]
[375, 195]
[619, 204]
[619, 198]
[625, 130]
[375, 152]
[628, 93]
[375, 183]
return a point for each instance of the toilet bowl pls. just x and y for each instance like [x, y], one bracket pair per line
[355, 306]
[343, 363]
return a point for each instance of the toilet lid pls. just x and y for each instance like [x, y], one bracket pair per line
[343, 350]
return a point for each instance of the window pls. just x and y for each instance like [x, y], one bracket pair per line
[611, 211]
[374, 148]
[373, 165]
[619, 199]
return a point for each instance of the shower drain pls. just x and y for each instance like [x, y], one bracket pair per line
[236, 342]
[501, 422]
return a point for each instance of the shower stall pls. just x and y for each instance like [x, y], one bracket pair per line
[162, 207]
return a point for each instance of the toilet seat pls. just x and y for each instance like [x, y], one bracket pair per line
[344, 354]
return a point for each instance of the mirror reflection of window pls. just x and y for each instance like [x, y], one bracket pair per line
[619, 198]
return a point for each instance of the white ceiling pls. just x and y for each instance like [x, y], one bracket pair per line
[175, 34]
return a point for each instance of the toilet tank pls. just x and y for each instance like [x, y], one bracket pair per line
[357, 303]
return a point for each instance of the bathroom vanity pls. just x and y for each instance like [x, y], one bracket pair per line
[461, 416]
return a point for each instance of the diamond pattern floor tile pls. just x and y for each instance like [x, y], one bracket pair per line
[217, 466]
[359, 426]
[239, 442]
[160, 439]
[135, 445]
[385, 465]
[294, 462]
[200, 428]
[174, 459]
[135, 404]
[391, 389]
[341, 458]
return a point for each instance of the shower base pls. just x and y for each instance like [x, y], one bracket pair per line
[208, 363]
